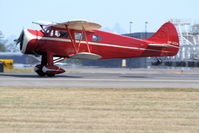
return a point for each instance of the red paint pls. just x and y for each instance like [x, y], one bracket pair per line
[110, 46]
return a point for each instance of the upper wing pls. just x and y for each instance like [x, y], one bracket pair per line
[79, 25]
[76, 25]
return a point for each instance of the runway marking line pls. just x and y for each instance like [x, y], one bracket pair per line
[112, 80]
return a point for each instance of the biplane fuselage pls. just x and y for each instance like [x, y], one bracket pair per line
[66, 42]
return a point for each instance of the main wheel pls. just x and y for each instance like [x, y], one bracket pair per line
[41, 73]
[50, 75]
[38, 70]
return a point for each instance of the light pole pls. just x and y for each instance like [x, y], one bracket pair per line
[130, 31]
[130, 26]
[146, 22]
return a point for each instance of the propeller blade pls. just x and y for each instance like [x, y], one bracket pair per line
[20, 39]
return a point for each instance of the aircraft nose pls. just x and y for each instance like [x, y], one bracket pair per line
[26, 41]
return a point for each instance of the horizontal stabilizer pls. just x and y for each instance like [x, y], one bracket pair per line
[85, 55]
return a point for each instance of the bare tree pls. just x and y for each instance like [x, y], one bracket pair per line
[2, 43]
[12, 47]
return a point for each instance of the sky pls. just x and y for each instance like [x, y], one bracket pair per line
[19, 14]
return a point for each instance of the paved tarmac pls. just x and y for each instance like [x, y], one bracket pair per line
[107, 78]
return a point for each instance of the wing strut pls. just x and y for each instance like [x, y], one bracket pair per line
[59, 59]
[72, 40]
[78, 54]
[83, 29]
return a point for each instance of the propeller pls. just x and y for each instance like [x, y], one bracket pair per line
[20, 40]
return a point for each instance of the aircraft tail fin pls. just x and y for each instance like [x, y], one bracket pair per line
[166, 37]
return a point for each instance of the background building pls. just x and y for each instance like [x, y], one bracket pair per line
[188, 55]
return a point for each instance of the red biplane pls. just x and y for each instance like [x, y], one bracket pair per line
[83, 40]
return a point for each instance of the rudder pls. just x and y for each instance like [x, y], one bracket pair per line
[167, 35]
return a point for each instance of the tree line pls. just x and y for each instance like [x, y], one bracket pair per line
[7, 45]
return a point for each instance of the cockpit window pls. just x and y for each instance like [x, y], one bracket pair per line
[55, 33]
[80, 36]
[46, 30]
[63, 34]
[96, 38]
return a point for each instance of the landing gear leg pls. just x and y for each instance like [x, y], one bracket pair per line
[38, 68]
[49, 68]
[50, 64]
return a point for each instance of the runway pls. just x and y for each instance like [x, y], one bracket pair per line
[107, 78]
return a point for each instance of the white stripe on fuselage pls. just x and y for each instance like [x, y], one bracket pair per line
[31, 36]
[100, 44]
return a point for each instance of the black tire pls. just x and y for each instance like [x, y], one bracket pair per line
[50, 75]
[41, 74]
